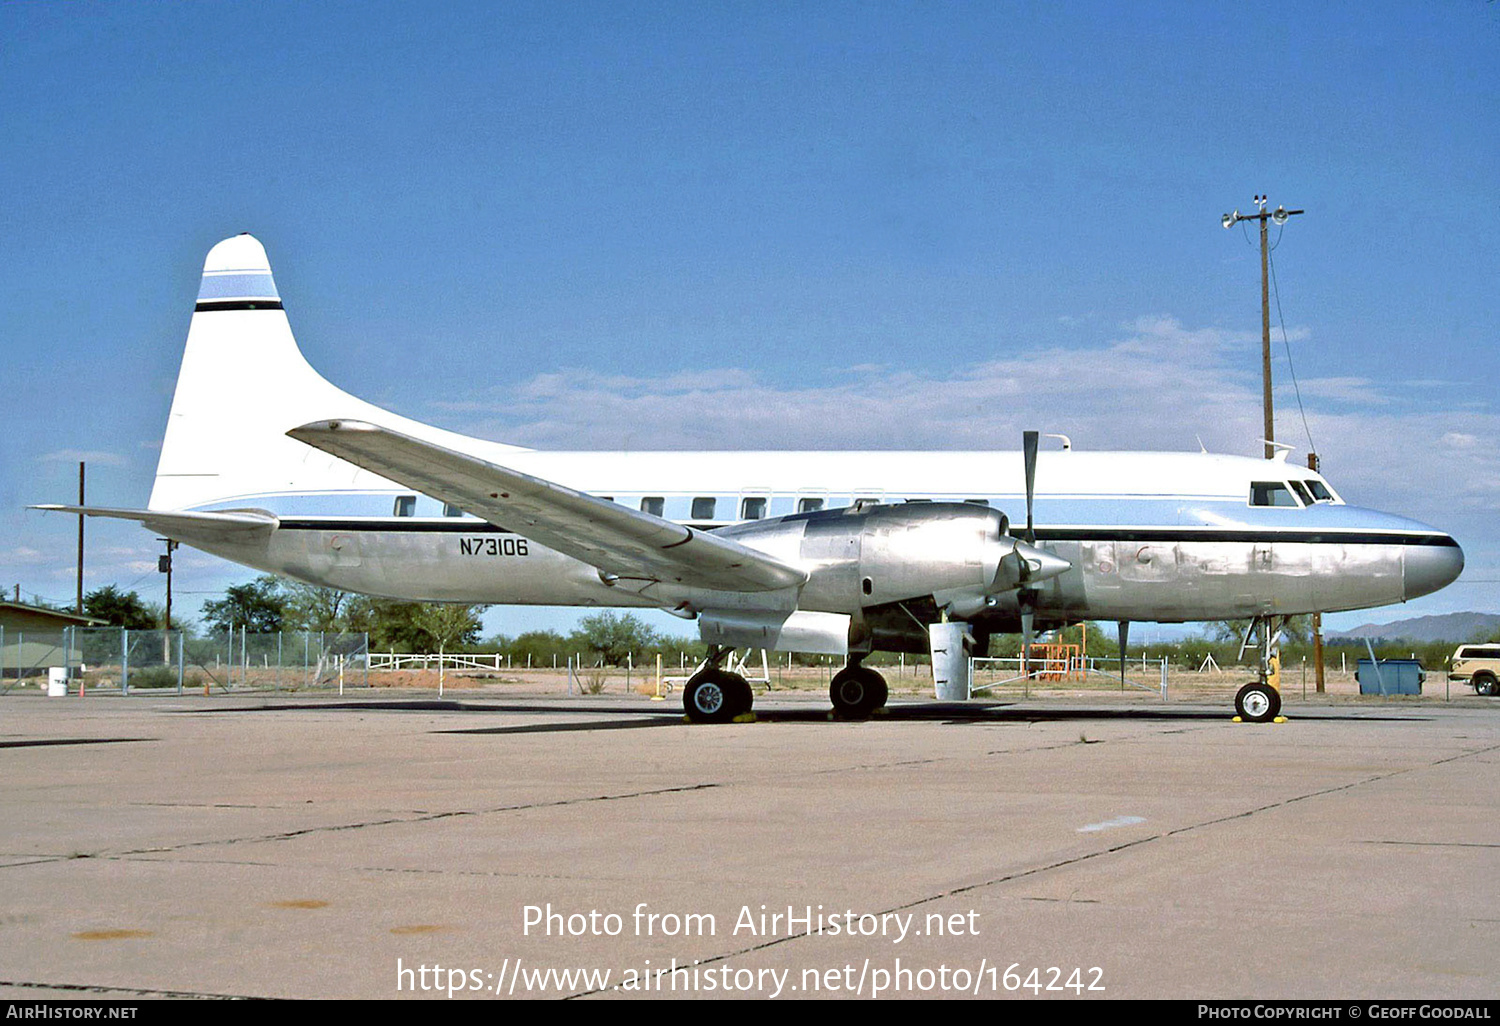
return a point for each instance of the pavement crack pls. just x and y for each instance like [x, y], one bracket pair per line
[289, 835]
[106, 988]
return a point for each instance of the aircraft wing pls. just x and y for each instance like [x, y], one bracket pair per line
[182, 526]
[619, 541]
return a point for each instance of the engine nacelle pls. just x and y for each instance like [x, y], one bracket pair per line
[958, 554]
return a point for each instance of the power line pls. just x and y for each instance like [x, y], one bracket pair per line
[1287, 345]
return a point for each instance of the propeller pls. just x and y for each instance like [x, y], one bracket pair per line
[1029, 441]
[1124, 638]
[1021, 569]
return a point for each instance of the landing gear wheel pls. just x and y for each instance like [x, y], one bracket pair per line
[1486, 685]
[709, 697]
[741, 698]
[856, 692]
[1257, 703]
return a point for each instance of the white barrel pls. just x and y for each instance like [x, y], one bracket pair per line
[57, 681]
[950, 660]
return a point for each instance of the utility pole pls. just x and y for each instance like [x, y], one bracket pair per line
[79, 609]
[1280, 215]
[164, 565]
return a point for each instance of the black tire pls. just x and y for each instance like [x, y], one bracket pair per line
[741, 697]
[856, 692]
[1486, 685]
[1257, 703]
[708, 697]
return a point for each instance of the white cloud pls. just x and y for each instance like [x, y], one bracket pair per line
[107, 459]
[1349, 390]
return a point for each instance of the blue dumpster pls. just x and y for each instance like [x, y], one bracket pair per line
[1397, 677]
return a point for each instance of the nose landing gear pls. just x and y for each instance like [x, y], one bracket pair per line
[1260, 700]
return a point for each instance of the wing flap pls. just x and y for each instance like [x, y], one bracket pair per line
[617, 540]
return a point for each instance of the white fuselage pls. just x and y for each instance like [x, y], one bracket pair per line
[1143, 546]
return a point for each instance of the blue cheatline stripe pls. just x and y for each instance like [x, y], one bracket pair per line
[237, 286]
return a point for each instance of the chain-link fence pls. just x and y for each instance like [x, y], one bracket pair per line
[117, 659]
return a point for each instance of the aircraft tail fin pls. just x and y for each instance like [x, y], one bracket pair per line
[242, 386]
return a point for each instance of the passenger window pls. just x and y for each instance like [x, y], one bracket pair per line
[653, 504]
[703, 508]
[1302, 493]
[1271, 493]
[450, 510]
[809, 505]
[753, 509]
[406, 506]
[1320, 491]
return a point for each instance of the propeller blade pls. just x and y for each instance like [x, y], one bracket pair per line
[1028, 615]
[1124, 638]
[1029, 440]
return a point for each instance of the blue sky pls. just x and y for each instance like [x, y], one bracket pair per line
[730, 225]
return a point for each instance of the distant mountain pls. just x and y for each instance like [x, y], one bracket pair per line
[1454, 627]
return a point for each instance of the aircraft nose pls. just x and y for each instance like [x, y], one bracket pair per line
[1430, 567]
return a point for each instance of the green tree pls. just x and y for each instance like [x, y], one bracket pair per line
[120, 609]
[259, 606]
[447, 625]
[610, 636]
[540, 647]
[309, 607]
[1296, 631]
[416, 626]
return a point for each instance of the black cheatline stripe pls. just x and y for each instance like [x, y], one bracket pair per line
[239, 304]
[388, 524]
[1275, 536]
[1159, 535]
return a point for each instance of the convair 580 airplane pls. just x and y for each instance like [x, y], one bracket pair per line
[268, 464]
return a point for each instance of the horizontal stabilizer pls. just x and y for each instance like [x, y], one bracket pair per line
[184, 525]
[622, 542]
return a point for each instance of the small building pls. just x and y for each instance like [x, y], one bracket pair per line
[33, 638]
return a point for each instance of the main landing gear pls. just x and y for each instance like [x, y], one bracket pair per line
[713, 694]
[856, 691]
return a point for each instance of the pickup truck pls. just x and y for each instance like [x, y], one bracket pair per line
[1478, 665]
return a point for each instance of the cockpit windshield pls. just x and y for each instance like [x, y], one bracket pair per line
[1294, 493]
[1319, 491]
[1272, 493]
